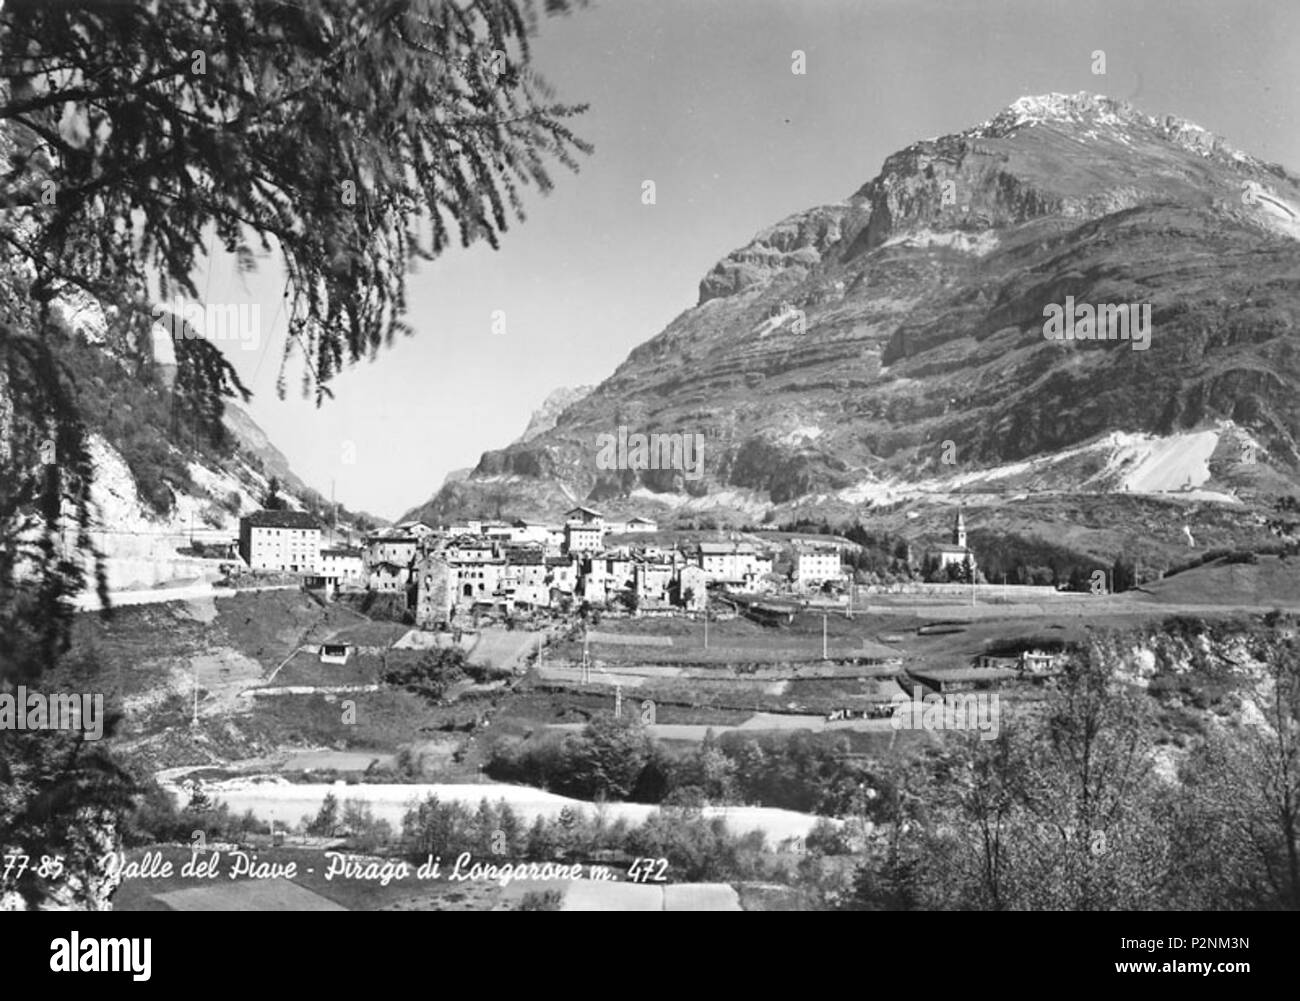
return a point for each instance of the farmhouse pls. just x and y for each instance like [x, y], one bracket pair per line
[963, 679]
[586, 516]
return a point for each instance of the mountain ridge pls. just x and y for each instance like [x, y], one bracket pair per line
[840, 348]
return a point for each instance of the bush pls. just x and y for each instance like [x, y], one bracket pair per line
[155, 819]
[609, 759]
[365, 833]
[829, 838]
[431, 675]
[547, 900]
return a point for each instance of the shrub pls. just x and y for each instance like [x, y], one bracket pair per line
[829, 838]
[431, 675]
[546, 900]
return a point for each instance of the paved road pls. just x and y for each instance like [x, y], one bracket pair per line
[88, 601]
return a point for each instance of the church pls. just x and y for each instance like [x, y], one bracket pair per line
[956, 552]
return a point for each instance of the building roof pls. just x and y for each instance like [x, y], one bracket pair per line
[584, 510]
[964, 673]
[280, 519]
[638, 520]
[524, 557]
[342, 551]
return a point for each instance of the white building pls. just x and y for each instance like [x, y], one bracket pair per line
[582, 538]
[530, 532]
[344, 567]
[287, 541]
[955, 552]
[738, 563]
[814, 565]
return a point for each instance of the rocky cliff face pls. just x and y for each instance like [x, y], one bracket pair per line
[895, 341]
[139, 543]
[548, 414]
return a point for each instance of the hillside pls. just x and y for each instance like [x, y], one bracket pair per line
[166, 473]
[1265, 581]
[890, 347]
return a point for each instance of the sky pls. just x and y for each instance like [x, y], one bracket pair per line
[700, 97]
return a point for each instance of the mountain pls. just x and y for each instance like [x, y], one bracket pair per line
[159, 483]
[254, 442]
[891, 346]
[548, 414]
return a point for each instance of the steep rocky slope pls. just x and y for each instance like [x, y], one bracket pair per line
[892, 344]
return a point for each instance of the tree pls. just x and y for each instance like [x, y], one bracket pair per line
[273, 501]
[430, 677]
[327, 819]
[319, 129]
[135, 133]
[711, 772]
[1061, 812]
[1244, 842]
[605, 760]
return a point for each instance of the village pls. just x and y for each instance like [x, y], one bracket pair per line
[480, 577]
[495, 568]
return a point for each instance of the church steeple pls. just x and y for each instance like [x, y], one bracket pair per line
[959, 531]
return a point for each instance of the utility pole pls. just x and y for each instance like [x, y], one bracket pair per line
[706, 619]
[618, 701]
[824, 657]
[194, 721]
[586, 658]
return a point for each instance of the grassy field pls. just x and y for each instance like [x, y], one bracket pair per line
[145, 658]
[1272, 581]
